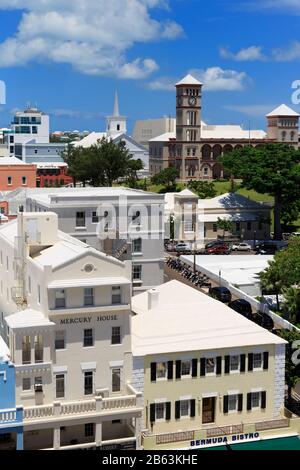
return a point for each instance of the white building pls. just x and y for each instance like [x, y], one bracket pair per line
[111, 219]
[147, 129]
[66, 316]
[116, 130]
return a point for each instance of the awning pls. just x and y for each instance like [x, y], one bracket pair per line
[238, 217]
[92, 282]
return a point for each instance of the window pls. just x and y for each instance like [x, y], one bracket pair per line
[38, 384]
[60, 298]
[26, 384]
[136, 218]
[232, 402]
[185, 368]
[257, 361]
[89, 430]
[238, 226]
[137, 272]
[24, 180]
[88, 296]
[215, 227]
[249, 226]
[116, 335]
[88, 340]
[9, 180]
[161, 370]
[137, 245]
[38, 349]
[184, 408]
[210, 365]
[116, 380]
[255, 399]
[60, 339]
[88, 383]
[80, 219]
[26, 350]
[60, 386]
[95, 218]
[160, 411]
[234, 363]
[116, 295]
[205, 171]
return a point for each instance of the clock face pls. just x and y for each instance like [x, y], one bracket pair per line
[192, 101]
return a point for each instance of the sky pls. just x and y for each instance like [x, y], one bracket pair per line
[70, 57]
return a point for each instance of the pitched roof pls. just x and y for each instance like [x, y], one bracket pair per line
[230, 201]
[11, 161]
[283, 110]
[27, 319]
[189, 80]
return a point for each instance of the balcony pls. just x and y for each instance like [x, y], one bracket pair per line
[62, 411]
[10, 417]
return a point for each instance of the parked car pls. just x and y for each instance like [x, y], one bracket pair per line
[220, 293]
[241, 247]
[264, 320]
[218, 250]
[182, 247]
[266, 248]
[214, 243]
[170, 246]
[242, 306]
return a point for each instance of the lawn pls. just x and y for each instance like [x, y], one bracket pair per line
[224, 187]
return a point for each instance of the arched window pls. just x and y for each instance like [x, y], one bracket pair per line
[292, 136]
[283, 135]
[205, 171]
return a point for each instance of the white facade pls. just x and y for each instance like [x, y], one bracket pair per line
[66, 315]
[31, 125]
[145, 130]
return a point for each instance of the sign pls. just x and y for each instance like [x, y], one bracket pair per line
[234, 439]
[79, 320]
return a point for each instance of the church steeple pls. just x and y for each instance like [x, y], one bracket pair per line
[116, 105]
[116, 124]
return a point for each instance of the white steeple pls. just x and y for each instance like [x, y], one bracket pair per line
[116, 124]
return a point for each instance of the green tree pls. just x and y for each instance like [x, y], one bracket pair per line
[291, 304]
[204, 189]
[134, 166]
[269, 169]
[271, 281]
[225, 225]
[77, 159]
[292, 368]
[167, 178]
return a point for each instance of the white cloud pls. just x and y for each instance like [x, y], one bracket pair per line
[288, 54]
[248, 54]
[91, 35]
[281, 6]
[251, 109]
[213, 78]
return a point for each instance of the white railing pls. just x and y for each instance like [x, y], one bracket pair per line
[120, 402]
[93, 406]
[8, 416]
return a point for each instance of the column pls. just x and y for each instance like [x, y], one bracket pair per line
[98, 432]
[56, 438]
[20, 440]
[138, 432]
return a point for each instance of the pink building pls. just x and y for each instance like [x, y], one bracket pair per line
[16, 174]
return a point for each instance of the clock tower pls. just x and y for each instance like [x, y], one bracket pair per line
[188, 125]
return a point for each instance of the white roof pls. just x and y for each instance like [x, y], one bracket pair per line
[229, 201]
[49, 165]
[11, 161]
[237, 270]
[188, 320]
[89, 282]
[27, 319]
[189, 80]
[90, 139]
[218, 133]
[4, 351]
[283, 110]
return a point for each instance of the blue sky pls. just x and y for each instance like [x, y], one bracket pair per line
[70, 57]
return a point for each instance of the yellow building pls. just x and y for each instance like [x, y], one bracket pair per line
[205, 370]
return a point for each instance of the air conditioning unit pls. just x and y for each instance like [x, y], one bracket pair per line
[102, 392]
[38, 388]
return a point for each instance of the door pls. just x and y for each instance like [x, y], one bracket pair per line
[208, 410]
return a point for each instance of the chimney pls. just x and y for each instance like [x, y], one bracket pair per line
[153, 299]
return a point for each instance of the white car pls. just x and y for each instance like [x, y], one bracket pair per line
[241, 247]
[182, 247]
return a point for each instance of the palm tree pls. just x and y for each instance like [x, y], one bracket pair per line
[292, 303]
[271, 281]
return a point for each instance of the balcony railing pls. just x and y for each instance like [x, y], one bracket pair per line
[98, 405]
[11, 416]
